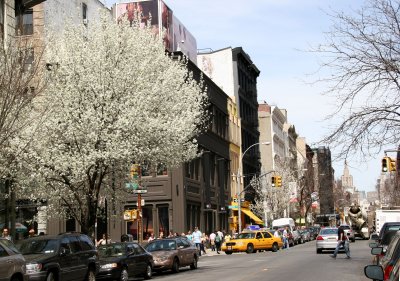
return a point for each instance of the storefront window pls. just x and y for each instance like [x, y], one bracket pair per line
[163, 219]
[24, 22]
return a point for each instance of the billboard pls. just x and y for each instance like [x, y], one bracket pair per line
[176, 37]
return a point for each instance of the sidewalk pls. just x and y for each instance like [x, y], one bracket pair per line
[210, 253]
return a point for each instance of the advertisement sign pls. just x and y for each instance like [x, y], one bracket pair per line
[175, 35]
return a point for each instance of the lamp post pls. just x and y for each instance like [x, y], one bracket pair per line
[238, 176]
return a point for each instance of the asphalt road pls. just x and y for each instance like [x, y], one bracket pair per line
[297, 264]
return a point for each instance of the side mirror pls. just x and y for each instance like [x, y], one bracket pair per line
[374, 272]
[64, 251]
[376, 251]
[373, 245]
[374, 236]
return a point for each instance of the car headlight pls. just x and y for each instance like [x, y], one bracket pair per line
[109, 265]
[33, 268]
[162, 258]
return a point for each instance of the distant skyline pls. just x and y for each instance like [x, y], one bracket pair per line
[276, 35]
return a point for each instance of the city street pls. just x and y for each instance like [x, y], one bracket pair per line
[298, 263]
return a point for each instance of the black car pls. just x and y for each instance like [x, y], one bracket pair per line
[68, 256]
[121, 261]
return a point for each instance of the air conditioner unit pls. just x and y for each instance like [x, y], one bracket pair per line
[85, 21]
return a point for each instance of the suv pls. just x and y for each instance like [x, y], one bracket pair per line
[67, 256]
[12, 263]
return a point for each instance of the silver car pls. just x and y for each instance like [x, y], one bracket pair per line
[327, 239]
[12, 263]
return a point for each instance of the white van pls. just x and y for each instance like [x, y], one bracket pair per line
[283, 222]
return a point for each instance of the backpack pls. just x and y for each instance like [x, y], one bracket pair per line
[217, 238]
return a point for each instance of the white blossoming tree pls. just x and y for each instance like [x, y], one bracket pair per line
[114, 97]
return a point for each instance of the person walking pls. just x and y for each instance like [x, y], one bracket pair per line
[204, 239]
[285, 236]
[196, 238]
[104, 240]
[343, 241]
[212, 241]
[218, 241]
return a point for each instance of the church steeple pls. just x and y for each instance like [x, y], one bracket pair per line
[347, 179]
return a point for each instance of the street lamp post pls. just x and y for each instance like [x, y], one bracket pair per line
[238, 176]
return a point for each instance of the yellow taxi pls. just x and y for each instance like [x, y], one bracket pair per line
[251, 241]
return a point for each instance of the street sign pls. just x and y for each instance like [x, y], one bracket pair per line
[232, 207]
[137, 191]
[141, 202]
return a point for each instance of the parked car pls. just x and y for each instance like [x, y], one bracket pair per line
[67, 256]
[349, 232]
[377, 272]
[297, 238]
[390, 258]
[173, 253]
[12, 263]
[252, 241]
[305, 235]
[121, 261]
[327, 239]
[388, 226]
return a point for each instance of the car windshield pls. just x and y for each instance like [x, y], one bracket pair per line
[111, 250]
[329, 231]
[8, 244]
[388, 237]
[246, 236]
[161, 245]
[38, 246]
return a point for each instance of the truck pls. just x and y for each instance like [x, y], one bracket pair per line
[357, 219]
[383, 215]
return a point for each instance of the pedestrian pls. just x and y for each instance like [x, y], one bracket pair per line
[151, 237]
[203, 243]
[212, 241]
[218, 241]
[285, 235]
[6, 234]
[31, 233]
[161, 236]
[343, 241]
[189, 235]
[171, 234]
[104, 240]
[124, 238]
[196, 236]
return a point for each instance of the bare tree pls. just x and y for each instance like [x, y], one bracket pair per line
[362, 54]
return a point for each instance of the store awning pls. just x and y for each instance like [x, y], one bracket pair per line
[252, 216]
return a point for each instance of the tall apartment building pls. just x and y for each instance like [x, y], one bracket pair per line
[234, 71]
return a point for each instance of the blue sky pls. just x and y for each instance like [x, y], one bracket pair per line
[276, 35]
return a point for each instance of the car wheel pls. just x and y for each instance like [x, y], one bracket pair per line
[319, 251]
[275, 247]
[175, 266]
[194, 264]
[250, 249]
[91, 275]
[124, 275]
[16, 278]
[51, 276]
[149, 272]
[228, 253]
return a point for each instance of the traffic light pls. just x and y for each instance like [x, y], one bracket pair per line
[278, 181]
[385, 164]
[392, 165]
[273, 180]
[134, 172]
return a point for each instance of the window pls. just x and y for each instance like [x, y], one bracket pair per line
[3, 252]
[74, 244]
[84, 11]
[24, 22]
[86, 243]
[2, 16]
